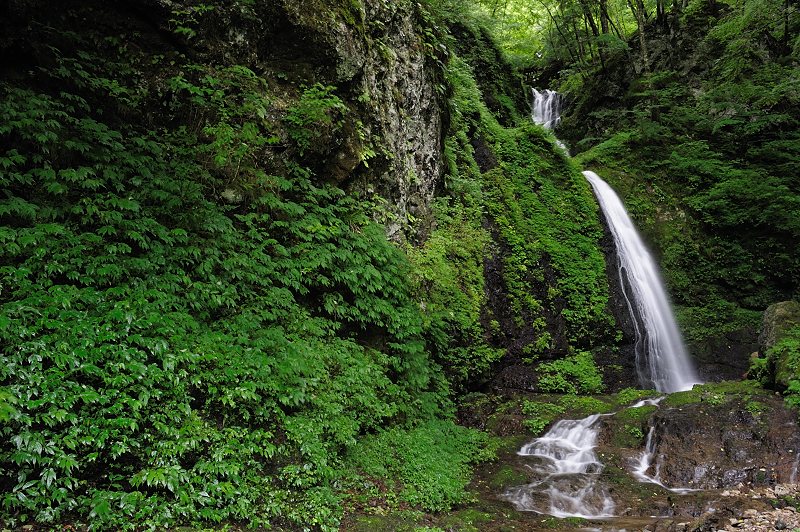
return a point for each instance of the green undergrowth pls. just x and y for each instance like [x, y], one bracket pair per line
[198, 327]
[576, 374]
[190, 335]
[428, 466]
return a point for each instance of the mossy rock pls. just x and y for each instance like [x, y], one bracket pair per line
[507, 476]
[714, 393]
[468, 520]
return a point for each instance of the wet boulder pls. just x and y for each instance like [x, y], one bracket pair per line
[712, 439]
[780, 325]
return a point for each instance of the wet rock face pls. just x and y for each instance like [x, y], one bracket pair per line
[374, 52]
[724, 357]
[710, 446]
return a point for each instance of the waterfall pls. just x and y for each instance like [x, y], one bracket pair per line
[661, 357]
[566, 470]
[546, 108]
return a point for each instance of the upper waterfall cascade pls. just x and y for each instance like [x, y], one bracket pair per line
[546, 108]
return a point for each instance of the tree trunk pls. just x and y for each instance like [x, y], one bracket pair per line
[786, 24]
[589, 18]
[560, 32]
[661, 16]
[604, 18]
[639, 12]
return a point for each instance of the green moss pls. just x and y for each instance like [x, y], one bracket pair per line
[469, 520]
[562, 523]
[507, 476]
[628, 396]
[713, 393]
[396, 521]
[429, 465]
[633, 424]
[578, 406]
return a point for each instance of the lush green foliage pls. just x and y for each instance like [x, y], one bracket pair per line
[429, 465]
[185, 337]
[515, 207]
[542, 414]
[693, 118]
[577, 373]
[448, 271]
[315, 111]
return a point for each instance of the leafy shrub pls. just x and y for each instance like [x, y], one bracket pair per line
[543, 413]
[317, 114]
[577, 373]
[167, 358]
[428, 464]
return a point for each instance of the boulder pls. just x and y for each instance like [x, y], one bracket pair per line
[779, 318]
[781, 323]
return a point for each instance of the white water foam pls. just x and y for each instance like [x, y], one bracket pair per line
[546, 109]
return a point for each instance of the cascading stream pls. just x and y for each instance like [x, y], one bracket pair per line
[566, 468]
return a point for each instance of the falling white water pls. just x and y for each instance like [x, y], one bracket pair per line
[640, 471]
[566, 473]
[546, 108]
[566, 468]
[646, 459]
[661, 357]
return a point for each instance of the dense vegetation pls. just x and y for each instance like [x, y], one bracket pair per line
[202, 318]
[198, 325]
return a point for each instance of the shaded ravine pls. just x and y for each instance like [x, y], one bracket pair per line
[565, 466]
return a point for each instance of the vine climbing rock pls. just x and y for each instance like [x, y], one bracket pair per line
[780, 319]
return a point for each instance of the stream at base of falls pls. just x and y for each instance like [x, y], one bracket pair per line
[566, 470]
